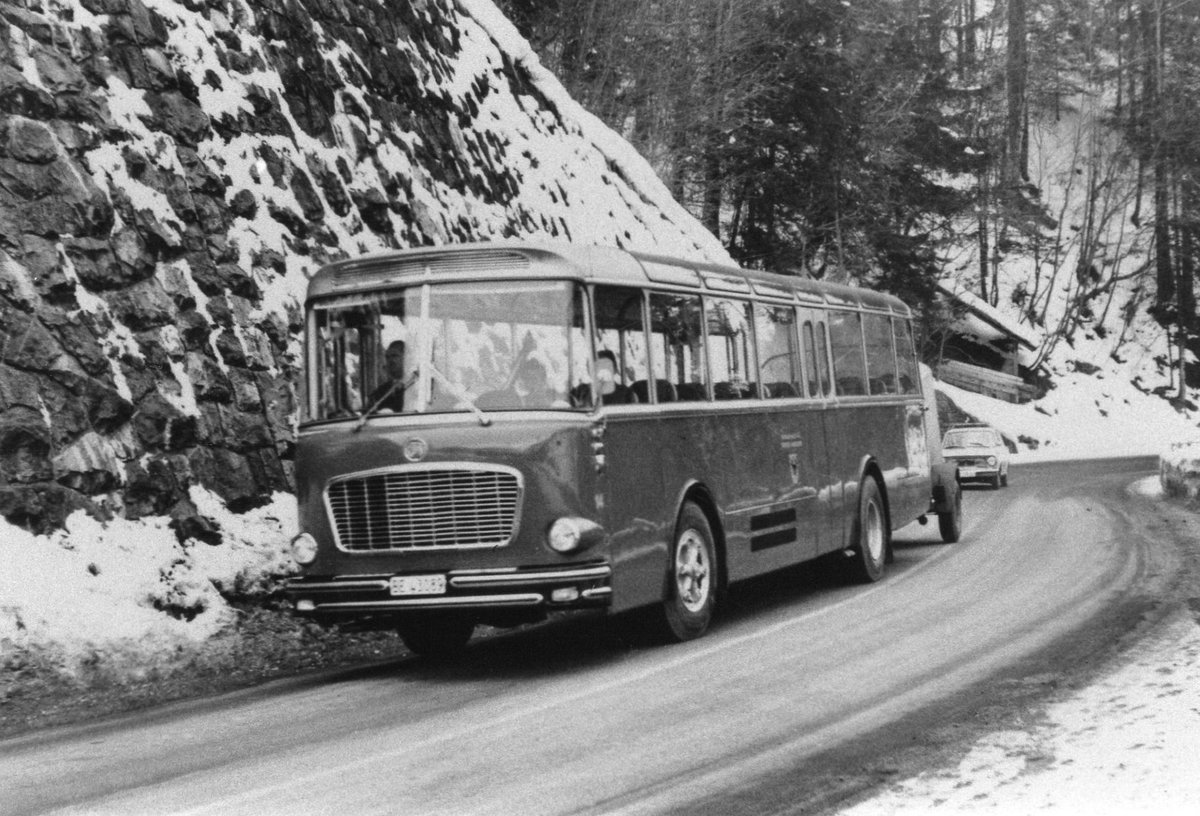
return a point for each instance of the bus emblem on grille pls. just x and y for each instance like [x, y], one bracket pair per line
[415, 449]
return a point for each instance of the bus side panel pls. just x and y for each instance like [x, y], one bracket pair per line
[775, 488]
[856, 431]
[637, 512]
[912, 495]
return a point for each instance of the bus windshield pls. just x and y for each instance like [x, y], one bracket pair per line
[448, 347]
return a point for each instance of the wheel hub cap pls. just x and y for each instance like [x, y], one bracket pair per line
[693, 572]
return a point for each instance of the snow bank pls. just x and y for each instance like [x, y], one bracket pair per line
[1179, 469]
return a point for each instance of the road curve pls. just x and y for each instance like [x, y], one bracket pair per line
[567, 718]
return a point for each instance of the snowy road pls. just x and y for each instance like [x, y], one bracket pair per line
[798, 696]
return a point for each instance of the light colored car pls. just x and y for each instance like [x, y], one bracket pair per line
[980, 453]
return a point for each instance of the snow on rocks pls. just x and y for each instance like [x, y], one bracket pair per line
[130, 590]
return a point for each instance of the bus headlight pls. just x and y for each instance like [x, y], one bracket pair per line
[304, 549]
[570, 534]
[991, 461]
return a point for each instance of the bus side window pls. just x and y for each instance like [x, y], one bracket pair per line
[849, 364]
[340, 368]
[621, 339]
[779, 364]
[906, 357]
[677, 347]
[823, 358]
[730, 357]
[815, 357]
[881, 359]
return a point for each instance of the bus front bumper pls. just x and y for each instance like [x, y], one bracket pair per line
[579, 586]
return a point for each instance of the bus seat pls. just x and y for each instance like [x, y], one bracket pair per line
[851, 386]
[691, 392]
[666, 391]
[885, 384]
[782, 389]
[581, 395]
[727, 391]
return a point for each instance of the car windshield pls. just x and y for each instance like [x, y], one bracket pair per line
[969, 439]
[449, 347]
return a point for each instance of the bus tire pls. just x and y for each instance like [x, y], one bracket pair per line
[691, 593]
[438, 636]
[950, 521]
[871, 534]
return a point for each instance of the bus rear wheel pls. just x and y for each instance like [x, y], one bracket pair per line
[437, 636]
[691, 597]
[871, 534]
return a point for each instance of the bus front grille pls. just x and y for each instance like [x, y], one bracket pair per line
[424, 509]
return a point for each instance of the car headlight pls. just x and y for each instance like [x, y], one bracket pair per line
[569, 534]
[992, 461]
[304, 549]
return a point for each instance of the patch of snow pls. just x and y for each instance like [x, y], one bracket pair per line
[1150, 487]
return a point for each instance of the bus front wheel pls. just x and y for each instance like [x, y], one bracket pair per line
[436, 636]
[871, 534]
[692, 585]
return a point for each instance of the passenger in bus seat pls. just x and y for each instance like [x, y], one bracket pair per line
[389, 394]
[530, 389]
[608, 385]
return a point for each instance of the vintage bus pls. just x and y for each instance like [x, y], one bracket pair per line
[494, 432]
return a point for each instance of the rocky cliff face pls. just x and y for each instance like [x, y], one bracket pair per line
[171, 173]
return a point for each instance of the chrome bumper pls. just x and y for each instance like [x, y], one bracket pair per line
[579, 586]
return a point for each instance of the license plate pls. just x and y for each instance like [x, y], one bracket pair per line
[418, 585]
[966, 473]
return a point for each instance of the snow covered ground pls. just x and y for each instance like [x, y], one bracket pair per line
[1127, 744]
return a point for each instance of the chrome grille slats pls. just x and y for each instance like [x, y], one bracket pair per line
[425, 507]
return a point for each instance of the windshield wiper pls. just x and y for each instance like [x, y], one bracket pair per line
[463, 396]
[395, 387]
[483, 418]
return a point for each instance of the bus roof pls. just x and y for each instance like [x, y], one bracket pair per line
[593, 264]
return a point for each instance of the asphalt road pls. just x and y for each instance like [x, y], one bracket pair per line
[805, 692]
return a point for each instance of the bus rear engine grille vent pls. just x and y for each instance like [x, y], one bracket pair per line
[461, 263]
[425, 509]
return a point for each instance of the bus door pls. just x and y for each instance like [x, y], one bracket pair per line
[793, 525]
[820, 420]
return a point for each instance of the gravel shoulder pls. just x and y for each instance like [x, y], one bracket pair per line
[267, 643]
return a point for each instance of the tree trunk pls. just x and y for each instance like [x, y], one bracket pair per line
[1016, 71]
[1165, 275]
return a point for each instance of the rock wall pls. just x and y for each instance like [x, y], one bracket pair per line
[170, 175]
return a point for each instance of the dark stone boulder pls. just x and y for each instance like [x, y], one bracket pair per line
[24, 450]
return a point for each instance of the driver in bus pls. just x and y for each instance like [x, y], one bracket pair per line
[389, 394]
